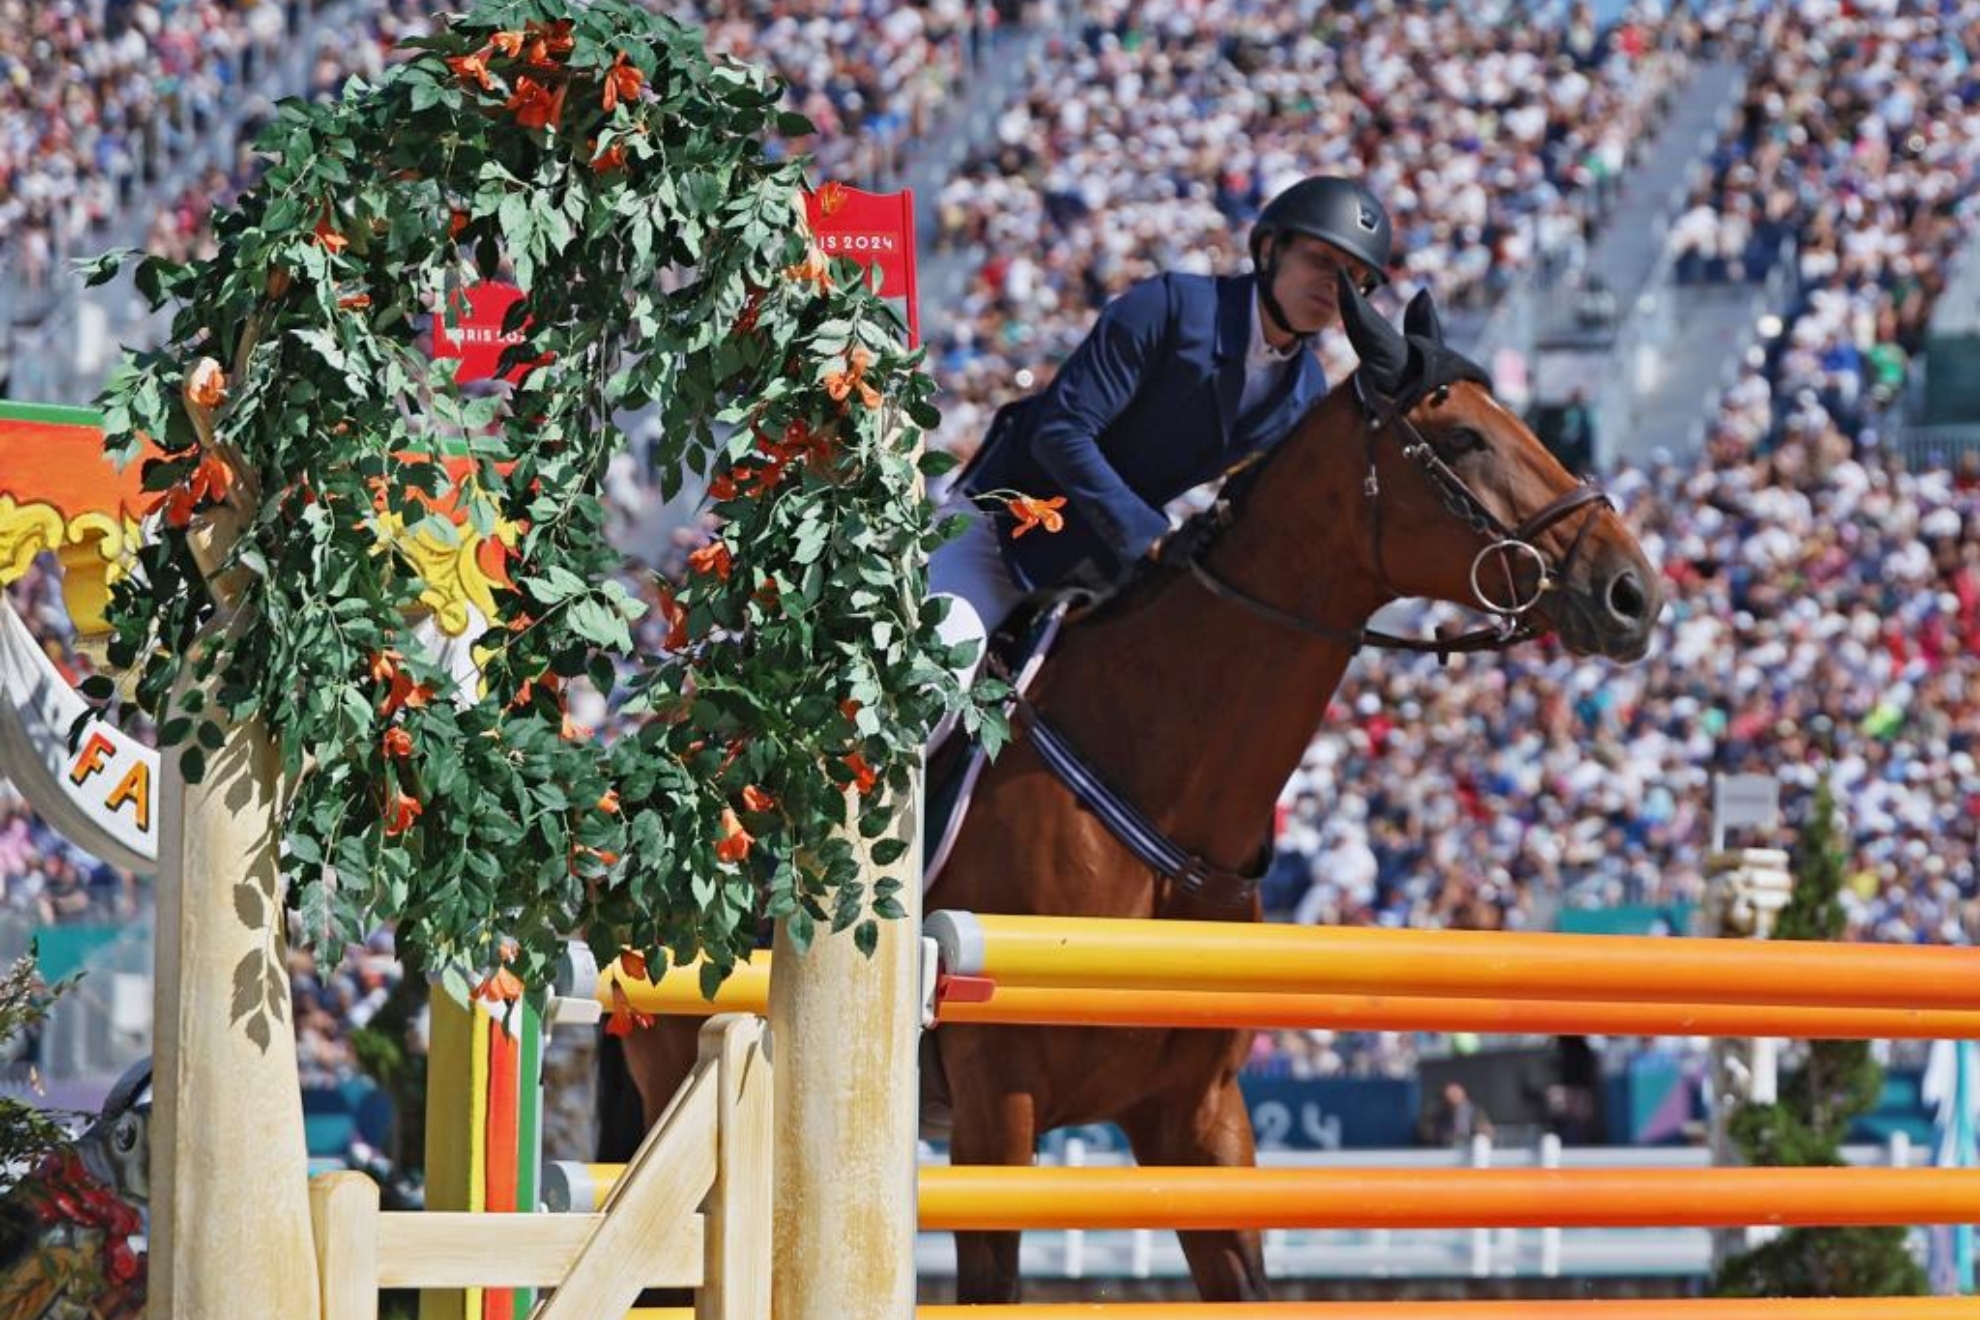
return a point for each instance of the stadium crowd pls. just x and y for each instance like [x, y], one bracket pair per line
[1824, 601]
[1151, 142]
[101, 102]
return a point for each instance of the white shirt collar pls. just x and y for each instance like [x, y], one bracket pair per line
[1261, 353]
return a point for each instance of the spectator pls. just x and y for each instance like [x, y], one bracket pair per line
[1455, 1119]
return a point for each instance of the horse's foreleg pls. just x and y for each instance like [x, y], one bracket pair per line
[992, 1125]
[1227, 1266]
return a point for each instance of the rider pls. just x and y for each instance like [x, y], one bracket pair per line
[1181, 378]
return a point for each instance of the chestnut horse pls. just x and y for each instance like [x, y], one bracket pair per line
[1194, 693]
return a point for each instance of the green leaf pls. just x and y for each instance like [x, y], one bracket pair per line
[888, 851]
[325, 345]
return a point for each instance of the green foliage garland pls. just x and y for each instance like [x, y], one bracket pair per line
[598, 152]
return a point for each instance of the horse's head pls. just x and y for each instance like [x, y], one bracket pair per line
[1461, 502]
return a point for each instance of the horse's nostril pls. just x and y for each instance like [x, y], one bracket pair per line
[1626, 599]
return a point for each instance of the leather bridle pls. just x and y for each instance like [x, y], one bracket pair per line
[1384, 415]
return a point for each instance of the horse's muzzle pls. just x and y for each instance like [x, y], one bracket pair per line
[1611, 611]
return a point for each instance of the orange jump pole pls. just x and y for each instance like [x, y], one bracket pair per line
[1650, 1308]
[994, 1197]
[678, 993]
[1654, 1308]
[1042, 1006]
[1109, 954]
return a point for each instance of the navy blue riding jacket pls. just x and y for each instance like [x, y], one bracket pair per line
[1143, 410]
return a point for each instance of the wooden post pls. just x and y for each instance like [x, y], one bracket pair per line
[230, 1226]
[344, 1215]
[844, 1030]
[736, 1280]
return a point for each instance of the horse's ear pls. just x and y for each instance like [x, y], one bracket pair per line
[1420, 318]
[1383, 351]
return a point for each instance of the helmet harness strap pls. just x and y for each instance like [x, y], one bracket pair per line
[1268, 296]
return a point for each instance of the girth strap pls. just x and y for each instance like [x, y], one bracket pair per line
[1190, 873]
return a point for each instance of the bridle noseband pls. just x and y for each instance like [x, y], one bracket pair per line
[1390, 415]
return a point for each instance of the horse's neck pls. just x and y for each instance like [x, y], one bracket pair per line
[1200, 710]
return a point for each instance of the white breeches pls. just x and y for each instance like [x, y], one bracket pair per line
[970, 572]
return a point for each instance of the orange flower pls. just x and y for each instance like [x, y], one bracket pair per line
[534, 105]
[210, 480]
[842, 383]
[398, 744]
[621, 80]
[752, 308]
[609, 803]
[733, 846]
[1032, 514]
[206, 385]
[755, 799]
[502, 987]
[624, 1016]
[456, 222]
[405, 693]
[814, 269]
[179, 503]
[472, 68]
[548, 41]
[676, 616]
[849, 708]
[612, 158]
[633, 963]
[864, 777]
[573, 731]
[712, 558]
[723, 487]
[354, 301]
[327, 235]
[831, 199]
[400, 813]
[509, 43]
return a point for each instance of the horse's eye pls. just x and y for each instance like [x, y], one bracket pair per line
[1464, 440]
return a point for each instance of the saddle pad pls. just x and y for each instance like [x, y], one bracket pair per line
[947, 800]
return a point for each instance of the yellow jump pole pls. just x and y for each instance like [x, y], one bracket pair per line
[1109, 954]
[678, 993]
[995, 1197]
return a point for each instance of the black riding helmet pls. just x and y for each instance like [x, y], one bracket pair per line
[1335, 210]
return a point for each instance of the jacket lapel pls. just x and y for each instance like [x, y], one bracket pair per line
[1297, 393]
[1233, 342]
